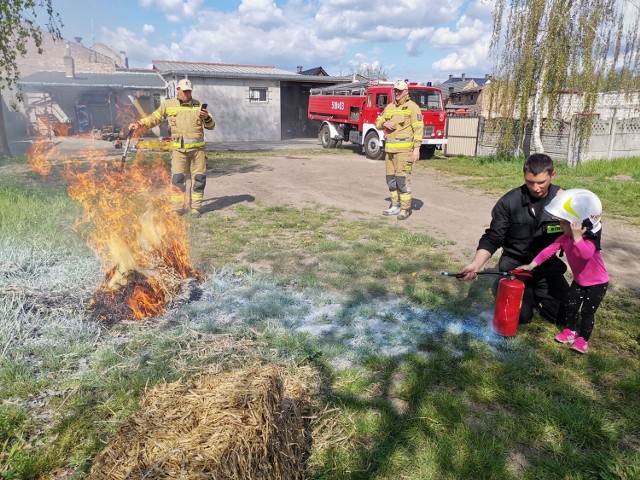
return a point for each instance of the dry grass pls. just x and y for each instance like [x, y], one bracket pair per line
[249, 423]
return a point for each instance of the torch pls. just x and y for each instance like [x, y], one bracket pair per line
[126, 149]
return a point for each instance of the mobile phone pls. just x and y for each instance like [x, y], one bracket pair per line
[203, 106]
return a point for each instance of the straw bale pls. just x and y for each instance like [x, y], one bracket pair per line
[234, 425]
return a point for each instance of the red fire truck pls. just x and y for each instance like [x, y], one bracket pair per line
[348, 113]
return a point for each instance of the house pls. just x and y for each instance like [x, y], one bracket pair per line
[470, 101]
[313, 71]
[72, 89]
[67, 103]
[458, 84]
[249, 102]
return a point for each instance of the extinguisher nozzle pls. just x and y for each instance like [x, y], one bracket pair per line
[449, 274]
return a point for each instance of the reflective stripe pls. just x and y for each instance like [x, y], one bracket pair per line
[187, 145]
[399, 147]
[392, 145]
[188, 142]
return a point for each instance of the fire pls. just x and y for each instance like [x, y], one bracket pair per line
[141, 241]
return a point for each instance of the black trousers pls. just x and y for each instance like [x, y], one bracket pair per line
[546, 290]
[585, 300]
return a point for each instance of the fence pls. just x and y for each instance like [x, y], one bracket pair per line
[610, 138]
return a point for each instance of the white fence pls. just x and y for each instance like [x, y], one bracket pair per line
[610, 138]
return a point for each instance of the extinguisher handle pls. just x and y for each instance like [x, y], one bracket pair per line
[520, 273]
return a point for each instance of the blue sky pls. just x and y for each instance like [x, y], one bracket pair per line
[423, 40]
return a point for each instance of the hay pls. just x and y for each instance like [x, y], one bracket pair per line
[236, 425]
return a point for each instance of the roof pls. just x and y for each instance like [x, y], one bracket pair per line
[230, 70]
[315, 71]
[479, 80]
[139, 79]
[469, 90]
[458, 84]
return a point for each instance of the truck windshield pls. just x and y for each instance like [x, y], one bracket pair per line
[426, 99]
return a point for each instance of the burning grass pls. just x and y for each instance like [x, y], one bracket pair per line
[131, 226]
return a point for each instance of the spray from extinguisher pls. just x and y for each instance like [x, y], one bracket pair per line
[506, 312]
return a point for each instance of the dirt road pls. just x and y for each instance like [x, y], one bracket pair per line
[441, 209]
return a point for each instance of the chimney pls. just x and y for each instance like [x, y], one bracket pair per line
[124, 61]
[78, 40]
[450, 76]
[486, 76]
[463, 77]
[69, 67]
[299, 68]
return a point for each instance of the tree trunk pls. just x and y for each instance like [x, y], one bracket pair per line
[537, 112]
[4, 144]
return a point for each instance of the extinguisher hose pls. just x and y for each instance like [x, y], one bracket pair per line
[509, 273]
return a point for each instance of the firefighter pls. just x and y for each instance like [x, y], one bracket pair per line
[403, 126]
[522, 228]
[187, 117]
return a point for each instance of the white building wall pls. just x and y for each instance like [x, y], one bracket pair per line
[237, 118]
[608, 105]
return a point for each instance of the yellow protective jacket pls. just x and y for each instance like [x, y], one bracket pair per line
[409, 125]
[186, 126]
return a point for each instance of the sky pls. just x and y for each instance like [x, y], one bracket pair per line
[420, 40]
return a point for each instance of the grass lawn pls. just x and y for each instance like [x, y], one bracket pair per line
[412, 384]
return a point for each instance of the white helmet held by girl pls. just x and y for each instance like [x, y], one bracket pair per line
[577, 205]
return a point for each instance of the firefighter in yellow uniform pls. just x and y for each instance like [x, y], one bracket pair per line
[403, 126]
[187, 118]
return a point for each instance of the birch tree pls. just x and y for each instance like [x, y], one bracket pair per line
[546, 47]
[17, 28]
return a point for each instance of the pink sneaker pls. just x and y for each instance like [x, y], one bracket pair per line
[566, 336]
[580, 345]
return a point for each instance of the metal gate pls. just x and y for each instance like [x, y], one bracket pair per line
[462, 135]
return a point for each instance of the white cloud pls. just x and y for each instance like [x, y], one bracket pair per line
[261, 13]
[382, 21]
[467, 31]
[474, 58]
[175, 10]
[481, 9]
[416, 38]
[335, 34]
[138, 49]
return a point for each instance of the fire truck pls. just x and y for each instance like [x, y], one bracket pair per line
[348, 113]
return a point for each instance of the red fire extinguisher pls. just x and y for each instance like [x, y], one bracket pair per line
[507, 310]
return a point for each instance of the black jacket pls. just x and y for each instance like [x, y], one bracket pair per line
[521, 234]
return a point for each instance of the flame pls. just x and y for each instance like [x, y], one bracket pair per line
[141, 241]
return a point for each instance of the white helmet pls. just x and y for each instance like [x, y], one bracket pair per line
[577, 205]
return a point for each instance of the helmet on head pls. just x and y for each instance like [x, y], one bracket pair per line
[577, 205]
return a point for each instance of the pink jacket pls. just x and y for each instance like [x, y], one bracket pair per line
[583, 258]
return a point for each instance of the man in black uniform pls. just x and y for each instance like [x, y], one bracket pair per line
[522, 228]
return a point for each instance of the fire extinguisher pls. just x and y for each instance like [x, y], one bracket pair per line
[507, 309]
[506, 312]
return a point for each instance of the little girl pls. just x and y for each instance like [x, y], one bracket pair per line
[579, 212]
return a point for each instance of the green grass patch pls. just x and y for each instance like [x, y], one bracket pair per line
[461, 405]
[616, 182]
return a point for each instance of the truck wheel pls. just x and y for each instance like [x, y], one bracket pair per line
[373, 146]
[325, 137]
[427, 151]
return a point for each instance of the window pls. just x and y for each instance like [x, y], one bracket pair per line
[258, 94]
[427, 99]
